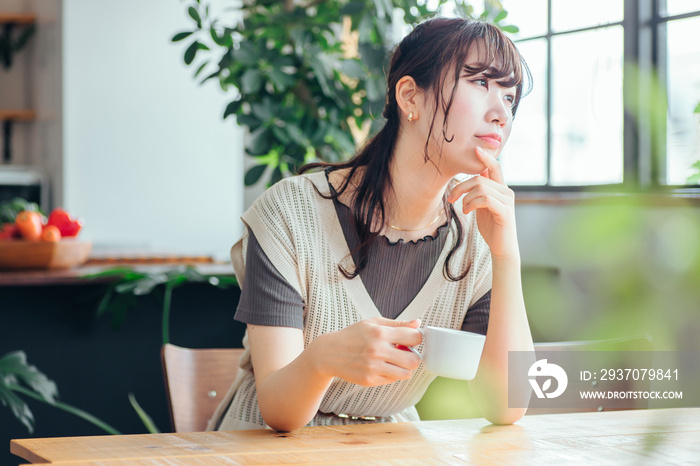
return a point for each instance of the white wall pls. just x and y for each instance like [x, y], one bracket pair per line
[148, 161]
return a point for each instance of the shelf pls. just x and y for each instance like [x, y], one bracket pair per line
[17, 18]
[17, 115]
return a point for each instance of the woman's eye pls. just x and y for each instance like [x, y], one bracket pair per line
[510, 98]
[481, 82]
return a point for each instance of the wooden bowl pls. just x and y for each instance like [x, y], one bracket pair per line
[21, 254]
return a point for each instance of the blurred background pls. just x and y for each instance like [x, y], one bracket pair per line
[159, 122]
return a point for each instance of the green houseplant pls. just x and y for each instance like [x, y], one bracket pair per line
[695, 177]
[305, 77]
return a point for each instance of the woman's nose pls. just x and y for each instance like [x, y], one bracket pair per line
[499, 111]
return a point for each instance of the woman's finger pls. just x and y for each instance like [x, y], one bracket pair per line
[484, 202]
[476, 183]
[486, 191]
[494, 168]
[415, 323]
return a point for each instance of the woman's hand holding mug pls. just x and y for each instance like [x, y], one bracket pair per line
[366, 353]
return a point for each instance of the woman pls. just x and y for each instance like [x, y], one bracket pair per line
[339, 268]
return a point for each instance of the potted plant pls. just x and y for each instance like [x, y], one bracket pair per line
[305, 77]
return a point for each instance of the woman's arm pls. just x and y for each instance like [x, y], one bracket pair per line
[508, 331]
[291, 381]
[508, 328]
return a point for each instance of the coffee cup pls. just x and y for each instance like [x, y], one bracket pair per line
[451, 353]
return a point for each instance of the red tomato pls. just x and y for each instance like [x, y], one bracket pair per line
[29, 225]
[9, 231]
[51, 234]
[65, 224]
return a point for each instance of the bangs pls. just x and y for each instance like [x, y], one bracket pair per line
[498, 58]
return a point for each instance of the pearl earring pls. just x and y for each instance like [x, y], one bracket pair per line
[410, 116]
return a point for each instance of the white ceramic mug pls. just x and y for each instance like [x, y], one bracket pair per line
[451, 353]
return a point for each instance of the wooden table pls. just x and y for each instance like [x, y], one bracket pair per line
[667, 436]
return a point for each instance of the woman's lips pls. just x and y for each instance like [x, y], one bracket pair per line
[491, 140]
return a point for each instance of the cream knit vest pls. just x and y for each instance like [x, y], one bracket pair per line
[300, 233]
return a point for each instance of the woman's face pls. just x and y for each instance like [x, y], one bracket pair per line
[481, 115]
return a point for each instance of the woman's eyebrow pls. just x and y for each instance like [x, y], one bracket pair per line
[507, 82]
[480, 66]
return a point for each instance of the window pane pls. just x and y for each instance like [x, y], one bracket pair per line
[587, 107]
[571, 14]
[677, 7]
[530, 17]
[683, 78]
[524, 157]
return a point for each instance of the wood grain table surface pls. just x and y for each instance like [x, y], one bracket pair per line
[661, 436]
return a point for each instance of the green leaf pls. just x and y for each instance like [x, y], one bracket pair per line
[180, 36]
[697, 108]
[297, 134]
[352, 8]
[200, 69]
[104, 302]
[194, 14]
[281, 135]
[372, 56]
[321, 74]
[115, 272]
[18, 407]
[380, 9]
[118, 308]
[253, 175]
[223, 281]
[275, 176]
[251, 81]
[375, 87]
[354, 69]
[283, 61]
[145, 418]
[15, 364]
[280, 79]
[265, 110]
[246, 54]
[215, 37]
[232, 108]
[248, 120]
[500, 16]
[67, 408]
[191, 52]
[260, 141]
[693, 179]
[510, 29]
[213, 75]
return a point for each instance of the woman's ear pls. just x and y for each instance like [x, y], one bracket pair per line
[408, 98]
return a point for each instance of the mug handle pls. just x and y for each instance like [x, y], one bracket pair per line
[412, 349]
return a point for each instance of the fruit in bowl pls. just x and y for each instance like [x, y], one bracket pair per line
[33, 242]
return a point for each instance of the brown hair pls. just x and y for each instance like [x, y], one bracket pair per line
[433, 49]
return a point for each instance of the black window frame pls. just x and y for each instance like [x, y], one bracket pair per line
[644, 152]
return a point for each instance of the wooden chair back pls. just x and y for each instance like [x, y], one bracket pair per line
[195, 382]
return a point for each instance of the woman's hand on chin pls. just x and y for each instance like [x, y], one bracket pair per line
[494, 203]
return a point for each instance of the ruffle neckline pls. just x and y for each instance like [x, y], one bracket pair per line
[399, 242]
[419, 240]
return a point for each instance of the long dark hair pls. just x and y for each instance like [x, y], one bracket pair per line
[426, 54]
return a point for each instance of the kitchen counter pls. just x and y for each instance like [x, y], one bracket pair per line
[75, 276]
[97, 359]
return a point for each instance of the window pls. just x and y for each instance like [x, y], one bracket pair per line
[616, 83]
